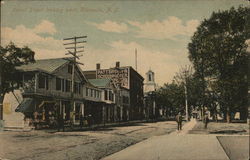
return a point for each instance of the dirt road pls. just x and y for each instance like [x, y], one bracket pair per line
[87, 145]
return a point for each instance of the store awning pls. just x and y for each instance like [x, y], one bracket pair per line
[27, 105]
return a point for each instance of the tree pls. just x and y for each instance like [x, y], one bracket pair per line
[12, 56]
[172, 97]
[218, 53]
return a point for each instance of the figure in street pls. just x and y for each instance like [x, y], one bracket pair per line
[81, 121]
[179, 121]
[206, 120]
[60, 123]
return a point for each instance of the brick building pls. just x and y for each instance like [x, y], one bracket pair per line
[128, 79]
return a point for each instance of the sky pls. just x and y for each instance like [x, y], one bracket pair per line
[159, 30]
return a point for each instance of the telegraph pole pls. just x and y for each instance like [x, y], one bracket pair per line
[72, 48]
[186, 99]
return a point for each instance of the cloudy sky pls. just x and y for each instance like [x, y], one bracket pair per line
[159, 30]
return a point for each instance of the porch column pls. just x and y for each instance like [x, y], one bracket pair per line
[74, 111]
[121, 113]
[103, 114]
[82, 109]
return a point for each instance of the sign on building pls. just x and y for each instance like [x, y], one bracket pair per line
[117, 76]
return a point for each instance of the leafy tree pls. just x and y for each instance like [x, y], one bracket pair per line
[218, 53]
[172, 97]
[11, 56]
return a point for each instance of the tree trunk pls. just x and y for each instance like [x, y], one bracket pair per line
[1, 107]
[228, 115]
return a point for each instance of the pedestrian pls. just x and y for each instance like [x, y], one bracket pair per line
[81, 121]
[90, 120]
[179, 121]
[206, 120]
[60, 123]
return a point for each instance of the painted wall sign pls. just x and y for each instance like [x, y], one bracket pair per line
[118, 75]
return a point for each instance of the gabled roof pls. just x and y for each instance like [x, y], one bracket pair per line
[48, 65]
[100, 82]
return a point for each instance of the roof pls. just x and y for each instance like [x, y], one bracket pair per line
[26, 105]
[99, 82]
[90, 74]
[48, 65]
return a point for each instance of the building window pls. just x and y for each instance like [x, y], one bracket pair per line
[149, 77]
[68, 84]
[87, 92]
[100, 94]
[58, 84]
[63, 85]
[92, 93]
[70, 68]
[105, 95]
[80, 88]
[95, 93]
[43, 82]
[75, 87]
[111, 96]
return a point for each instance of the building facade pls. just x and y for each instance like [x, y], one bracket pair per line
[129, 82]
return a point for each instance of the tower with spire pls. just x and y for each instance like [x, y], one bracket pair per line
[150, 84]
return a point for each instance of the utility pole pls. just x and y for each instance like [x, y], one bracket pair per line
[186, 99]
[72, 48]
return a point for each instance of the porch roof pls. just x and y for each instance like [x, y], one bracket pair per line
[27, 105]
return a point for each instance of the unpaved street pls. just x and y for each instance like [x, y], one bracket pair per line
[86, 145]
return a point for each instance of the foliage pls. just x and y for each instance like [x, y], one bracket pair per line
[12, 56]
[219, 56]
[172, 97]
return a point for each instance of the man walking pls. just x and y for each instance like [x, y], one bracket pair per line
[206, 120]
[179, 121]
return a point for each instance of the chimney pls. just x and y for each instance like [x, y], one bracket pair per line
[98, 66]
[117, 64]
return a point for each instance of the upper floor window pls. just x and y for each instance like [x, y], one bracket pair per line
[63, 85]
[58, 84]
[43, 82]
[105, 95]
[92, 93]
[87, 92]
[70, 68]
[149, 77]
[68, 84]
[111, 96]
[77, 88]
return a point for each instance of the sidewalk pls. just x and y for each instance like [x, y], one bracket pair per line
[176, 146]
[187, 127]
